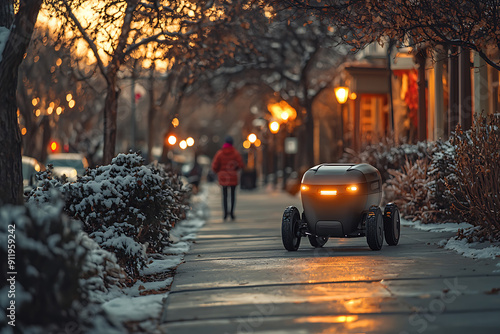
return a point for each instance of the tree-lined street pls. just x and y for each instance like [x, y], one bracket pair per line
[118, 118]
[237, 278]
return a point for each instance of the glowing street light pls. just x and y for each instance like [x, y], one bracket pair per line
[183, 145]
[274, 127]
[252, 138]
[175, 122]
[247, 144]
[172, 139]
[190, 141]
[342, 94]
[284, 116]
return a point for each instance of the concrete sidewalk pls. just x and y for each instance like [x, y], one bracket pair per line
[238, 278]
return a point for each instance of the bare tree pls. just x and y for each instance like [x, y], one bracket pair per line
[121, 28]
[470, 24]
[294, 58]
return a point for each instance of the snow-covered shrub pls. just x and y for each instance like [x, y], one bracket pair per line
[478, 173]
[442, 172]
[126, 207]
[387, 155]
[48, 262]
[408, 189]
[100, 271]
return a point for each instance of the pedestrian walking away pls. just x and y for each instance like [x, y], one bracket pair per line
[227, 162]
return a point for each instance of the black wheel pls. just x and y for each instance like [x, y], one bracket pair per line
[317, 242]
[290, 233]
[392, 224]
[375, 229]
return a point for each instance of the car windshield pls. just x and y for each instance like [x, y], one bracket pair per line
[78, 164]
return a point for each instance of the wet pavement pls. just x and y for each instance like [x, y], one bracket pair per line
[238, 278]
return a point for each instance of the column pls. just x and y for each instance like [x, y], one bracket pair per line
[438, 96]
[453, 104]
[464, 83]
[480, 85]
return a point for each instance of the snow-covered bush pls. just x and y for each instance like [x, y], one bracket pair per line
[442, 173]
[408, 189]
[387, 155]
[478, 173]
[126, 207]
[48, 262]
[100, 271]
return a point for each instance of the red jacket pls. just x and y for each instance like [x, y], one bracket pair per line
[226, 163]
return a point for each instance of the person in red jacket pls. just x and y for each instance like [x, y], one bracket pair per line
[226, 163]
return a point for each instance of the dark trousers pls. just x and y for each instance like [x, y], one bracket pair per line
[224, 200]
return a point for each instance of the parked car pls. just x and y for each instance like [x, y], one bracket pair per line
[69, 164]
[30, 167]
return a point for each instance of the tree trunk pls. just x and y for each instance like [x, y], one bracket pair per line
[11, 179]
[422, 107]
[151, 114]
[110, 112]
[309, 134]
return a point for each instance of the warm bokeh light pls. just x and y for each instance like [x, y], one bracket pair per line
[69, 97]
[175, 122]
[172, 139]
[353, 96]
[59, 111]
[246, 144]
[274, 127]
[257, 143]
[304, 187]
[341, 93]
[54, 146]
[252, 138]
[183, 145]
[282, 111]
[190, 141]
[50, 110]
[34, 101]
[23, 131]
[71, 103]
[284, 116]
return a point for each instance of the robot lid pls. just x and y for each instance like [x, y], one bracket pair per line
[341, 174]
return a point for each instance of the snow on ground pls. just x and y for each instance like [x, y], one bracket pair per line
[161, 265]
[445, 227]
[129, 308]
[476, 250]
[130, 305]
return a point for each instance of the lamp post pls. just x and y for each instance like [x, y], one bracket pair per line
[342, 95]
[283, 115]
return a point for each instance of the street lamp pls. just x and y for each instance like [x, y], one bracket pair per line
[274, 127]
[342, 94]
[172, 140]
[252, 138]
[183, 145]
[190, 141]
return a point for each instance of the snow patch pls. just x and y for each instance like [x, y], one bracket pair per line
[159, 266]
[141, 308]
[140, 286]
[474, 250]
[445, 227]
